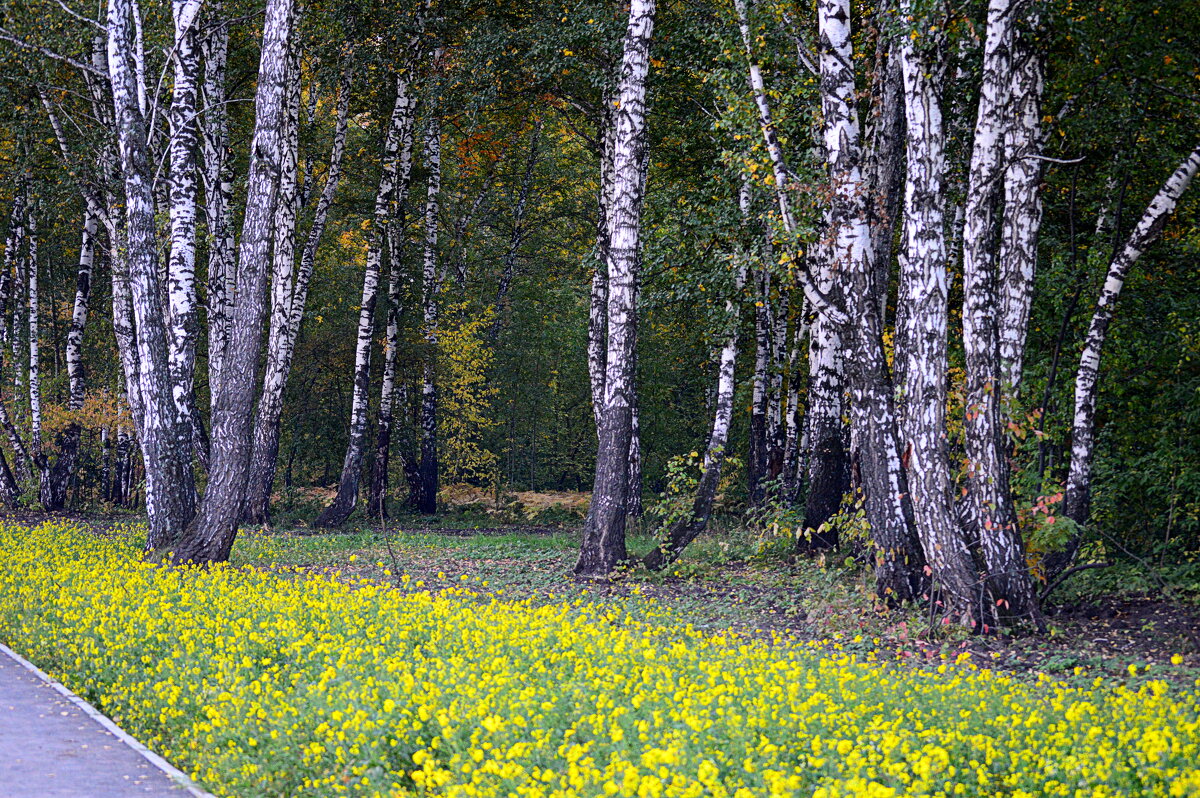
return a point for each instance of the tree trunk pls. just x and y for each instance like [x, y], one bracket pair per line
[40, 459]
[898, 556]
[1077, 503]
[756, 462]
[923, 420]
[603, 547]
[428, 463]
[991, 513]
[218, 194]
[1023, 143]
[181, 268]
[55, 497]
[399, 129]
[285, 328]
[170, 491]
[377, 497]
[210, 537]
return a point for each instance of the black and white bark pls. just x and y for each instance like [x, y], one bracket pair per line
[210, 536]
[990, 510]
[1077, 502]
[1024, 140]
[181, 265]
[898, 556]
[427, 412]
[55, 495]
[170, 491]
[218, 192]
[399, 129]
[380, 467]
[757, 459]
[603, 546]
[926, 284]
[34, 371]
[286, 317]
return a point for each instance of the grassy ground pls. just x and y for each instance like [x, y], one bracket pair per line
[1103, 621]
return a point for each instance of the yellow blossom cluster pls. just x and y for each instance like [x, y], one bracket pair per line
[276, 684]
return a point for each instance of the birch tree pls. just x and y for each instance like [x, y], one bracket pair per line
[427, 463]
[603, 546]
[210, 537]
[1077, 502]
[990, 508]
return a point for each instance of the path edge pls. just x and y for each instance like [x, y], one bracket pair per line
[180, 778]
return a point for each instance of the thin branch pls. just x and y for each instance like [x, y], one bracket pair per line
[1067, 573]
[80, 17]
[5, 35]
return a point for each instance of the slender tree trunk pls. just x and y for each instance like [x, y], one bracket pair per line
[685, 530]
[399, 129]
[40, 459]
[170, 491]
[68, 440]
[285, 328]
[923, 421]
[218, 194]
[898, 556]
[428, 463]
[991, 512]
[1077, 503]
[1023, 143]
[603, 546]
[756, 465]
[598, 308]
[181, 270]
[210, 537]
[377, 497]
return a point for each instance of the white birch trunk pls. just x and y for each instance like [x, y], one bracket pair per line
[603, 546]
[1077, 503]
[210, 537]
[926, 282]
[428, 462]
[898, 556]
[399, 129]
[990, 510]
[285, 329]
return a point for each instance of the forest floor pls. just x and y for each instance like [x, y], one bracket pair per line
[1128, 622]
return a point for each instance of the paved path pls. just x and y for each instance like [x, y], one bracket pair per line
[51, 748]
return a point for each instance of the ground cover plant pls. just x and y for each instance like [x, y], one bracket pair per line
[272, 682]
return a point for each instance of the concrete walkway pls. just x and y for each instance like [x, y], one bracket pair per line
[53, 745]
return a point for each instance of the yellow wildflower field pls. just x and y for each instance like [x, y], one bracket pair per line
[275, 684]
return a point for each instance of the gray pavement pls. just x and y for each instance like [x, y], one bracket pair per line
[51, 748]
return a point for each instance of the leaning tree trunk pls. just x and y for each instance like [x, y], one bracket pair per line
[181, 265]
[210, 537]
[427, 414]
[898, 556]
[923, 420]
[1077, 502]
[1023, 142]
[399, 128]
[603, 546]
[170, 491]
[685, 530]
[68, 440]
[990, 508]
[285, 328]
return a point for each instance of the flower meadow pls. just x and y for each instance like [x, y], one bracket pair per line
[270, 683]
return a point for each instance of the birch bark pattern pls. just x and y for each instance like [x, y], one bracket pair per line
[990, 510]
[1077, 502]
[923, 420]
[399, 129]
[428, 463]
[181, 265]
[285, 328]
[170, 491]
[898, 556]
[210, 536]
[603, 546]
